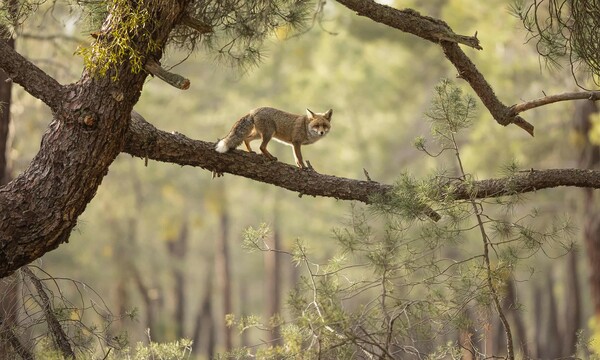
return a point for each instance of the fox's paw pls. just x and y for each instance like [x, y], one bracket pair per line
[216, 174]
[308, 166]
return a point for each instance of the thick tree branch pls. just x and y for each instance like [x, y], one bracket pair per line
[528, 105]
[440, 33]
[524, 182]
[145, 141]
[30, 77]
[410, 21]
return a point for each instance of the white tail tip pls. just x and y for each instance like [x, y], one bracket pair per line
[221, 147]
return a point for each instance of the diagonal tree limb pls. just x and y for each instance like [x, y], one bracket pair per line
[468, 72]
[439, 32]
[58, 334]
[410, 21]
[145, 141]
[34, 80]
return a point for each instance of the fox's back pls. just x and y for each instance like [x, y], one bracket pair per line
[268, 115]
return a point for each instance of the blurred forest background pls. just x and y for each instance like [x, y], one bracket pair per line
[162, 247]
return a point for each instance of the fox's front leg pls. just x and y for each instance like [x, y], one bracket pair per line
[298, 156]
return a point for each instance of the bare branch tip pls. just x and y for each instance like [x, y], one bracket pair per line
[172, 79]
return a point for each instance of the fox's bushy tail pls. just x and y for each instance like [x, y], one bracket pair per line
[240, 130]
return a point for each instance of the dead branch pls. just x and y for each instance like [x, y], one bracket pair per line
[58, 334]
[581, 95]
[196, 24]
[410, 21]
[439, 32]
[172, 79]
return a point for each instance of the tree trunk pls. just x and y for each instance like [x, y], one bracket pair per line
[511, 308]
[40, 208]
[552, 347]
[204, 327]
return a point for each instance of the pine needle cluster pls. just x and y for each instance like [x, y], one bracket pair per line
[564, 29]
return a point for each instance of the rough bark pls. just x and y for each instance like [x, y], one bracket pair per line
[5, 100]
[147, 142]
[39, 209]
[9, 287]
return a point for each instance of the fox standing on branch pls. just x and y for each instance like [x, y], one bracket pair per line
[267, 123]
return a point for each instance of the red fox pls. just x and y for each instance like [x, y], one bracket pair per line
[267, 123]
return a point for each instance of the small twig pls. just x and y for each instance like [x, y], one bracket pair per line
[583, 95]
[196, 24]
[175, 80]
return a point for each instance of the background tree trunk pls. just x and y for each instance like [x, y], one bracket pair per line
[273, 276]
[178, 249]
[589, 158]
[223, 265]
[572, 314]
[204, 327]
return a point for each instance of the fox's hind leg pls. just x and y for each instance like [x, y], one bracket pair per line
[253, 136]
[263, 147]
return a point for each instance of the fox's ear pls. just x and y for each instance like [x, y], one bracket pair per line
[310, 114]
[328, 114]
